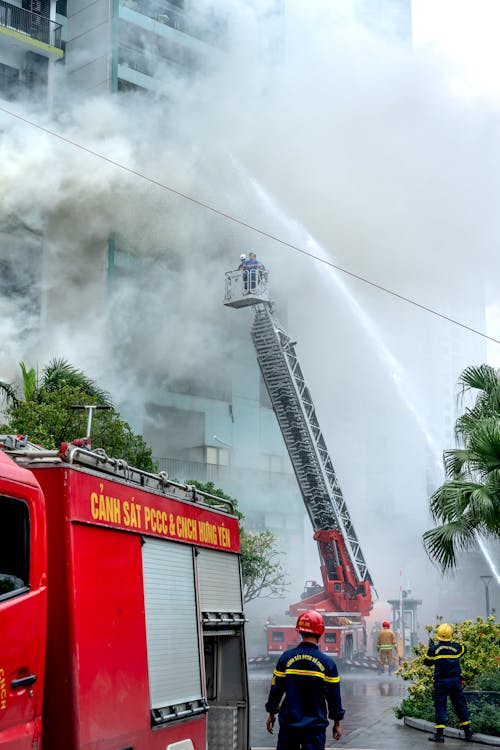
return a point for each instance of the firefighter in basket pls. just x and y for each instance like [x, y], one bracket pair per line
[386, 643]
[305, 691]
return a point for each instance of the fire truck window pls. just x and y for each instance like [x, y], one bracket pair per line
[330, 637]
[278, 636]
[14, 546]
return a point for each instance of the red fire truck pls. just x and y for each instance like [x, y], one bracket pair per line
[121, 614]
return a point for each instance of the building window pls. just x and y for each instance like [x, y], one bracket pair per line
[9, 82]
[216, 456]
[273, 463]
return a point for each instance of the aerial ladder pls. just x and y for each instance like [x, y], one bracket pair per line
[345, 598]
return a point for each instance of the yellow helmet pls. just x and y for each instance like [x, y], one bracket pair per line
[444, 632]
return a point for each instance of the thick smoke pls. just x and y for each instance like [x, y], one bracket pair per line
[313, 128]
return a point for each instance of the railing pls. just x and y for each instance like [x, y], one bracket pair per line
[147, 64]
[183, 471]
[29, 23]
[249, 283]
[168, 15]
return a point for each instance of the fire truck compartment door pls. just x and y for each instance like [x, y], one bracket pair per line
[171, 623]
[219, 581]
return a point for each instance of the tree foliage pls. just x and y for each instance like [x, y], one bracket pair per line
[468, 503]
[41, 409]
[262, 571]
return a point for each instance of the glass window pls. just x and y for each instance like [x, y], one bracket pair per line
[217, 456]
[223, 457]
[14, 546]
[211, 455]
[277, 636]
[330, 637]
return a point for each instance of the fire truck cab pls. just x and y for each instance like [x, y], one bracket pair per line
[121, 613]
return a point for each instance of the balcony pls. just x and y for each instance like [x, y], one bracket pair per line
[27, 29]
[186, 26]
[228, 476]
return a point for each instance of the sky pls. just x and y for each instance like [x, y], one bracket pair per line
[465, 33]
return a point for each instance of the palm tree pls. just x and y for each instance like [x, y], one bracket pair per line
[57, 374]
[467, 505]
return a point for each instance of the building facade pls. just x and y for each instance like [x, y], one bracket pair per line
[30, 45]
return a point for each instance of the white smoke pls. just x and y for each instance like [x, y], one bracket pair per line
[357, 138]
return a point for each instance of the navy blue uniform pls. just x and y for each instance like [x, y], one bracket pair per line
[445, 657]
[310, 684]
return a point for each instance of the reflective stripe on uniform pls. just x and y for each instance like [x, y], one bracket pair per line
[312, 673]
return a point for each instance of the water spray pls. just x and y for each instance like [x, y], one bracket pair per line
[396, 370]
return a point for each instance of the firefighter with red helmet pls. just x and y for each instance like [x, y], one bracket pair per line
[445, 657]
[305, 691]
[386, 643]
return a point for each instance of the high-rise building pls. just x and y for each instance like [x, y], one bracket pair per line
[30, 44]
[217, 424]
[125, 45]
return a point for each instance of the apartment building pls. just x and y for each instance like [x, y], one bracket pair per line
[30, 45]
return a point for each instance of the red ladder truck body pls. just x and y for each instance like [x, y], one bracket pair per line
[120, 608]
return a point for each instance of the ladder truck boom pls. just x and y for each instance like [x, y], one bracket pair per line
[345, 573]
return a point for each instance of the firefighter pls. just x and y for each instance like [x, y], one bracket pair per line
[309, 682]
[253, 269]
[243, 258]
[445, 657]
[386, 643]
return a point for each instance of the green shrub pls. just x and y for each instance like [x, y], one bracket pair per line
[488, 681]
[486, 719]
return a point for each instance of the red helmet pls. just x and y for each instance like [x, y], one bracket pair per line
[386, 624]
[310, 621]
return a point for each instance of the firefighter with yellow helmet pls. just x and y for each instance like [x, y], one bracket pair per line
[445, 657]
[386, 644]
[305, 691]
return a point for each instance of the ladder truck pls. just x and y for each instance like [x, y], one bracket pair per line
[345, 595]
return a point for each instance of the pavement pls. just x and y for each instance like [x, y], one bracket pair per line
[369, 723]
[386, 733]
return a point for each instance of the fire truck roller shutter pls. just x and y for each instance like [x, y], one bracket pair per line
[219, 581]
[171, 623]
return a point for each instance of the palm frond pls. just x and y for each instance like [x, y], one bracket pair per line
[30, 384]
[59, 373]
[455, 462]
[8, 392]
[450, 501]
[485, 443]
[443, 542]
[479, 377]
[483, 508]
